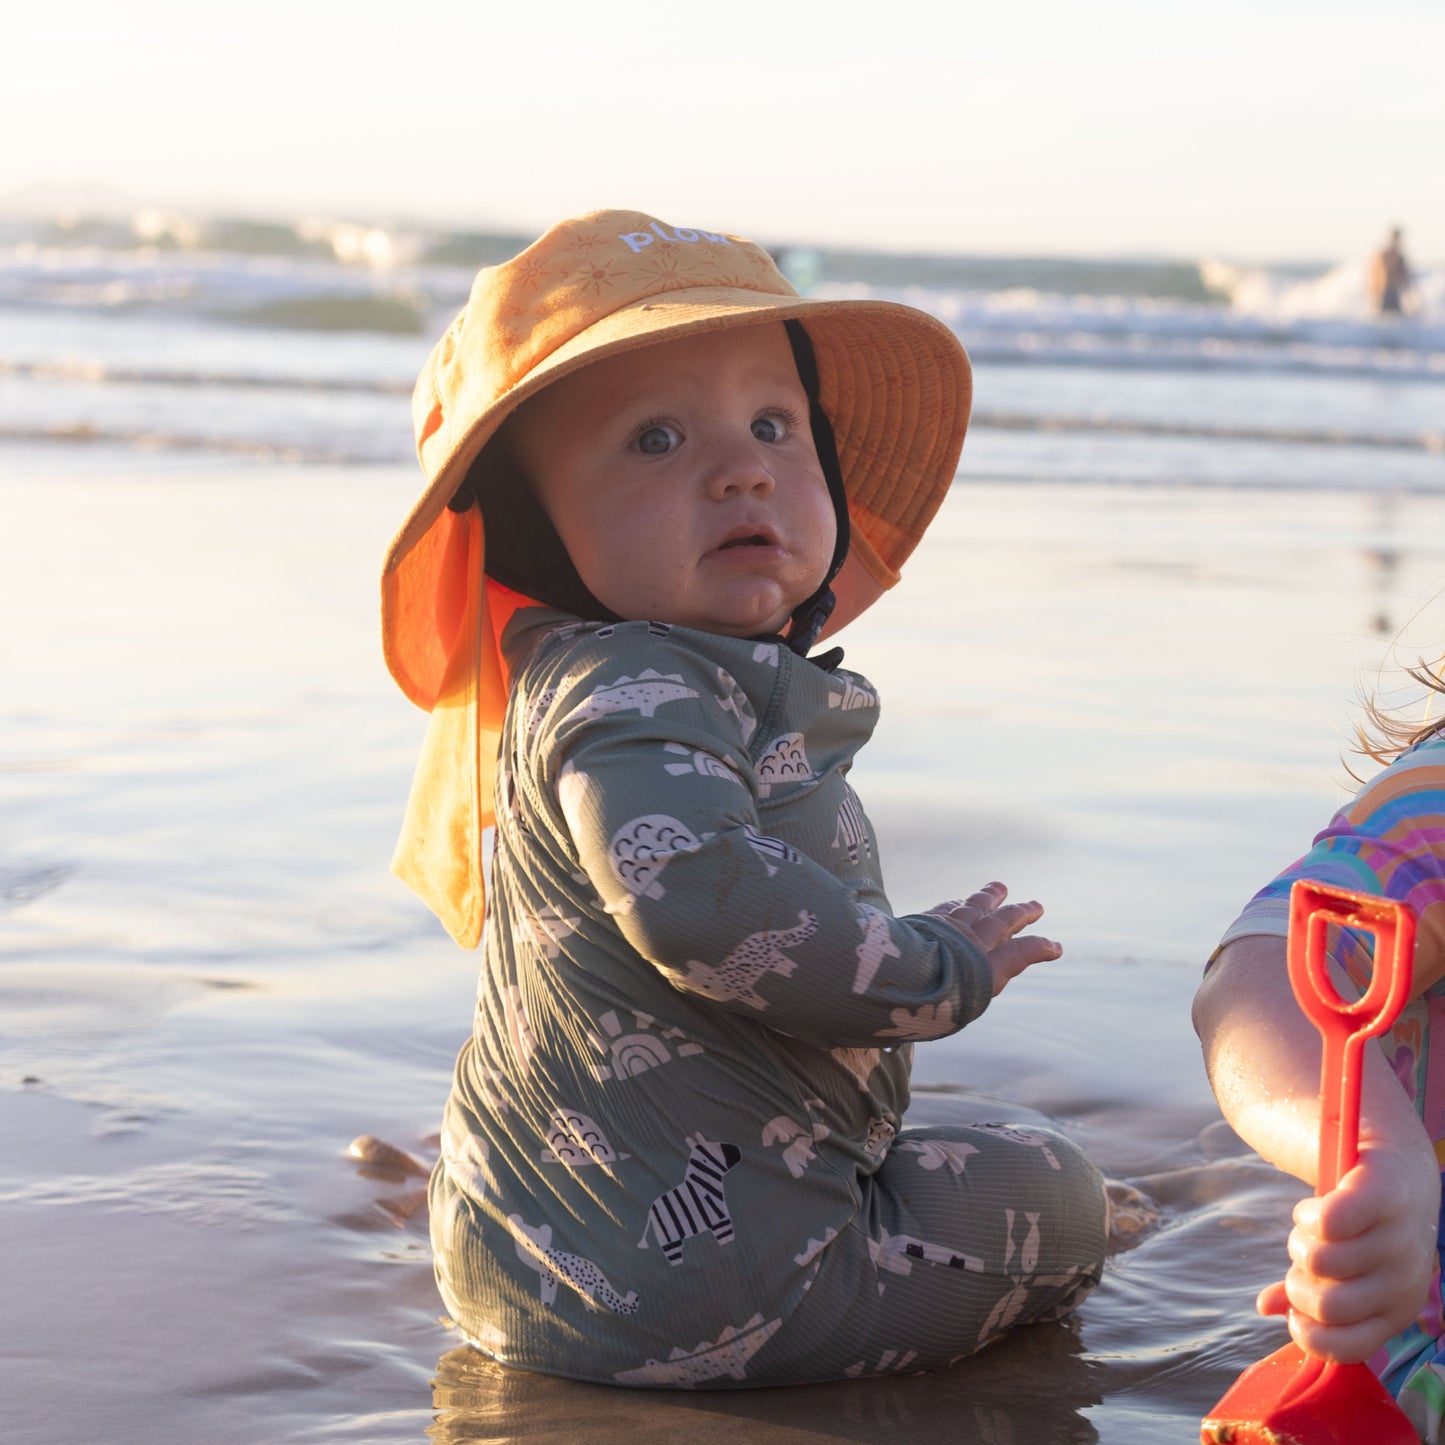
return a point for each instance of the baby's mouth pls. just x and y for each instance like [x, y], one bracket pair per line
[746, 537]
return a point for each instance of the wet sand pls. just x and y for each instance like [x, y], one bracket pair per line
[1130, 703]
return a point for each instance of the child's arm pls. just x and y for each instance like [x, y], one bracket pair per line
[661, 805]
[994, 926]
[1362, 1257]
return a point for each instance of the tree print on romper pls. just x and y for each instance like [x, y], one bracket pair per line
[737, 975]
[735, 701]
[813, 1249]
[709, 765]
[784, 762]
[877, 945]
[697, 1205]
[852, 697]
[644, 693]
[1010, 1306]
[928, 1021]
[630, 1054]
[534, 1248]
[547, 927]
[852, 832]
[797, 1138]
[727, 1355]
[575, 1140]
[939, 1153]
[466, 1157]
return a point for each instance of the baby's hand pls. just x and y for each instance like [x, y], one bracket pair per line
[992, 924]
[1362, 1258]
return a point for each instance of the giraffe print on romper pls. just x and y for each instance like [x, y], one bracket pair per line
[575, 1140]
[534, 1248]
[727, 1355]
[737, 975]
[537, 710]
[644, 693]
[852, 834]
[877, 945]
[634, 1053]
[784, 762]
[697, 1204]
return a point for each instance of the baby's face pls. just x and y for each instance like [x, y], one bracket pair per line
[683, 482]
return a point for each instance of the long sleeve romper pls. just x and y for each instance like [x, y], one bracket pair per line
[1390, 841]
[673, 1152]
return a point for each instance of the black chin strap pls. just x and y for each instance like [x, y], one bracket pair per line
[811, 616]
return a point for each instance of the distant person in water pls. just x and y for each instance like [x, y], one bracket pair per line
[1390, 277]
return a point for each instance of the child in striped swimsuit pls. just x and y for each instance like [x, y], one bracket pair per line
[1365, 1279]
[674, 1153]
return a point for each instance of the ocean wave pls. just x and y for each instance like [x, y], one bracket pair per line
[1430, 441]
[310, 451]
[99, 371]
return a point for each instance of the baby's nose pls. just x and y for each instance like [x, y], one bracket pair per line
[741, 472]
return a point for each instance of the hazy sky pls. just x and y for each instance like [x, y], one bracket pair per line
[1277, 128]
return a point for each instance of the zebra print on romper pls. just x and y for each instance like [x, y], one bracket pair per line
[697, 1203]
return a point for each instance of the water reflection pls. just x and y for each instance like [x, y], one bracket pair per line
[1029, 1389]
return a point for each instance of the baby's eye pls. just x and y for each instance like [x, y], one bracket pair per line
[657, 440]
[770, 428]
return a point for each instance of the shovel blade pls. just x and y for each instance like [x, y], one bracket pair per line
[1287, 1398]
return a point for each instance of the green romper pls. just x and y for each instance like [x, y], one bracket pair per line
[673, 1153]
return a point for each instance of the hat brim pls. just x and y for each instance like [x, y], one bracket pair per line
[895, 383]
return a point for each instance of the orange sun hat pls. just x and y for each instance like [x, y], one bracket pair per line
[894, 382]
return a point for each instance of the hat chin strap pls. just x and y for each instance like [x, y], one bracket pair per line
[811, 616]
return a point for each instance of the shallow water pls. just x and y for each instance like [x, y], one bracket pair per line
[1128, 702]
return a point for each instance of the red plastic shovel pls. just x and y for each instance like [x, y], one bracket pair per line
[1291, 1398]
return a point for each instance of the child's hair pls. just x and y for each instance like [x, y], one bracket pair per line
[1388, 731]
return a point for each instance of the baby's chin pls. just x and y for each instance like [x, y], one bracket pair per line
[757, 616]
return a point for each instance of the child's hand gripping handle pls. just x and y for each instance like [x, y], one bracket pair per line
[1345, 1025]
[1291, 1396]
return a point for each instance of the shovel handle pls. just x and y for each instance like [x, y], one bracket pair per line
[1345, 1024]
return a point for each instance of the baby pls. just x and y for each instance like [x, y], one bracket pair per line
[674, 1152]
